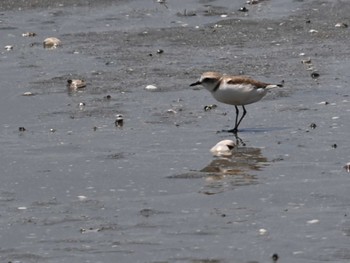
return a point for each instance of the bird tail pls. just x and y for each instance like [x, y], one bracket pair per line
[272, 86]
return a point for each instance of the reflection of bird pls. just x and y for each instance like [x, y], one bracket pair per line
[76, 83]
[223, 148]
[234, 90]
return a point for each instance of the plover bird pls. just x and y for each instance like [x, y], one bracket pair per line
[234, 90]
[223, 148]
[76, 83]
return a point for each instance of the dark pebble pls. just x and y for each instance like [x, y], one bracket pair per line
[22, 129]
[243, 9]
[314, 75]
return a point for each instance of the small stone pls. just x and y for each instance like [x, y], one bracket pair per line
[347, 167]
[314, 75]
[275, 257]
[334, 146]
[210, 107]
[243, 9]
[160, 51]
[21, 129]
[52, 130]
[313, 125]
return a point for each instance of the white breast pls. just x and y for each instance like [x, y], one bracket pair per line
[238, 94]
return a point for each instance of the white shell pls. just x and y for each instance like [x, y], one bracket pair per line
[223, 148]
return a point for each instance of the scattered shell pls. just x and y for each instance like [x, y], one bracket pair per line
[28, 93]
[9, 47]
[119, 122]
[29, 34]
[22, 208]
[252, 2]
[243, 9]
[223, 148]
[314, 75]
[76, 83]
[223, 15]
[171, 111]
[82, 197]
[313, 221]
[90, 230]
[347, 167]
[341, 25]
[210, 107]
[313, 31]
[21, 129]
[151, 87]
[51, 42]
[306, 61]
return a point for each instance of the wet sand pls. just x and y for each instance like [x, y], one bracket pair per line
[76, 188]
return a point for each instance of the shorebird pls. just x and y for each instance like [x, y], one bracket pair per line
[234, 90]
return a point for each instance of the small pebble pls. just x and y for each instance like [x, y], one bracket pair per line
[314, 75]
[243, 9]
[160, 51]
[52, 130]
[334, 146]
[108, 97]
[82, 197]
[313, 125]
[21, 129]
[275, 257]
[252, 2]
[151, 87]
[22, 208]
[347, 167]
[81, 104]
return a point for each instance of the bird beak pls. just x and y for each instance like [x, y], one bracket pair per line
[196, 83]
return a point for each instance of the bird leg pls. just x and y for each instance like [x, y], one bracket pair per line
[237, 123]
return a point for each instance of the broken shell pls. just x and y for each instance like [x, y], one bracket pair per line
[28, 93]
[313, 31]
[306, 61]
[76, 83]
[151, 87]
[29, 34]
[51, 42]
[341, 25]
[223, 148]
[210, 107]
[9, 47]
[119, 122]
[252, 2]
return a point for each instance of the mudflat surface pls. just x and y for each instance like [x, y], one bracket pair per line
[76, 188]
